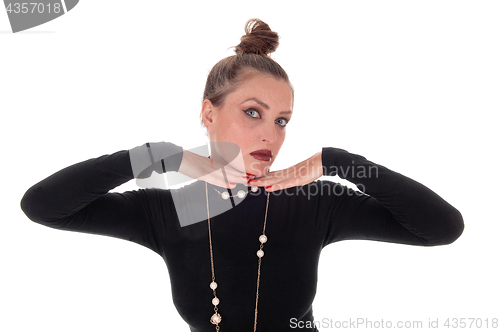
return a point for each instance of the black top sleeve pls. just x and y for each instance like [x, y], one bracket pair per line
[393, 208]
[77, 198]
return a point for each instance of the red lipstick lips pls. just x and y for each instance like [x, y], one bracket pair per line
[264, 155]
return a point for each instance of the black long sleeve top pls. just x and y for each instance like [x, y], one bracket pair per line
[301, 221]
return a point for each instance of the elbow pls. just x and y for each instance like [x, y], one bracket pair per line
[453, 227]
[38, 209]
[456, 226]
[27, 205]
[32, 206]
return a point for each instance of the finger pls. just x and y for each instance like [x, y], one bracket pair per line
[292, 182]
[287, 180]
[288, 183]
[275, 183]
[271, 178]
[229, 175]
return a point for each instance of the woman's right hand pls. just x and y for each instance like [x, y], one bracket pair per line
[214, 170]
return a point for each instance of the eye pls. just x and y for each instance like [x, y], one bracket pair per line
[252, 112]
[282, 122]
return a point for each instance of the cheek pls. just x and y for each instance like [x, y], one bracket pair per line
[281, 136]
[243, 133]
[243, 138]
[238, 135]
[226, 131]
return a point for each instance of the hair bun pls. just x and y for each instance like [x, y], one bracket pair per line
[258, 39]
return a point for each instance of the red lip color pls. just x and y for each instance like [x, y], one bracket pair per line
[263, 155]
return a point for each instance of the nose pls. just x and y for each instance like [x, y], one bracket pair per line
[269, 134]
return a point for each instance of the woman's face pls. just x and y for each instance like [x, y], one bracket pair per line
[254, 117]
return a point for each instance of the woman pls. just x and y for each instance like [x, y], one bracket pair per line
[242, 243]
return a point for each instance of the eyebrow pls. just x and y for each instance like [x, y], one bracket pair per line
[266, 106]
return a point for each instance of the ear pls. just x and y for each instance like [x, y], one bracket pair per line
[207, 114]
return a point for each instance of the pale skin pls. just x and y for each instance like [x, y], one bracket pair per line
[254, 117]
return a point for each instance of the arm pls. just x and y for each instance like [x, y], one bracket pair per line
[398, 209]
[76, 198]
[394, 209]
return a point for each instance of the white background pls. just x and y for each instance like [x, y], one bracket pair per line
[411, 85]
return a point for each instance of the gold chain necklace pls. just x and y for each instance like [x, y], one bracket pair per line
[216, 317]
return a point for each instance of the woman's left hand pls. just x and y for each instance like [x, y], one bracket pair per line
[298, 175]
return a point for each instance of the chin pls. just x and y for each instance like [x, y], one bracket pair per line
[258, 169]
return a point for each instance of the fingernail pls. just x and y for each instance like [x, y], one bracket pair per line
[252, 180]
[232, 183]
[248, 174]
[268, 187]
